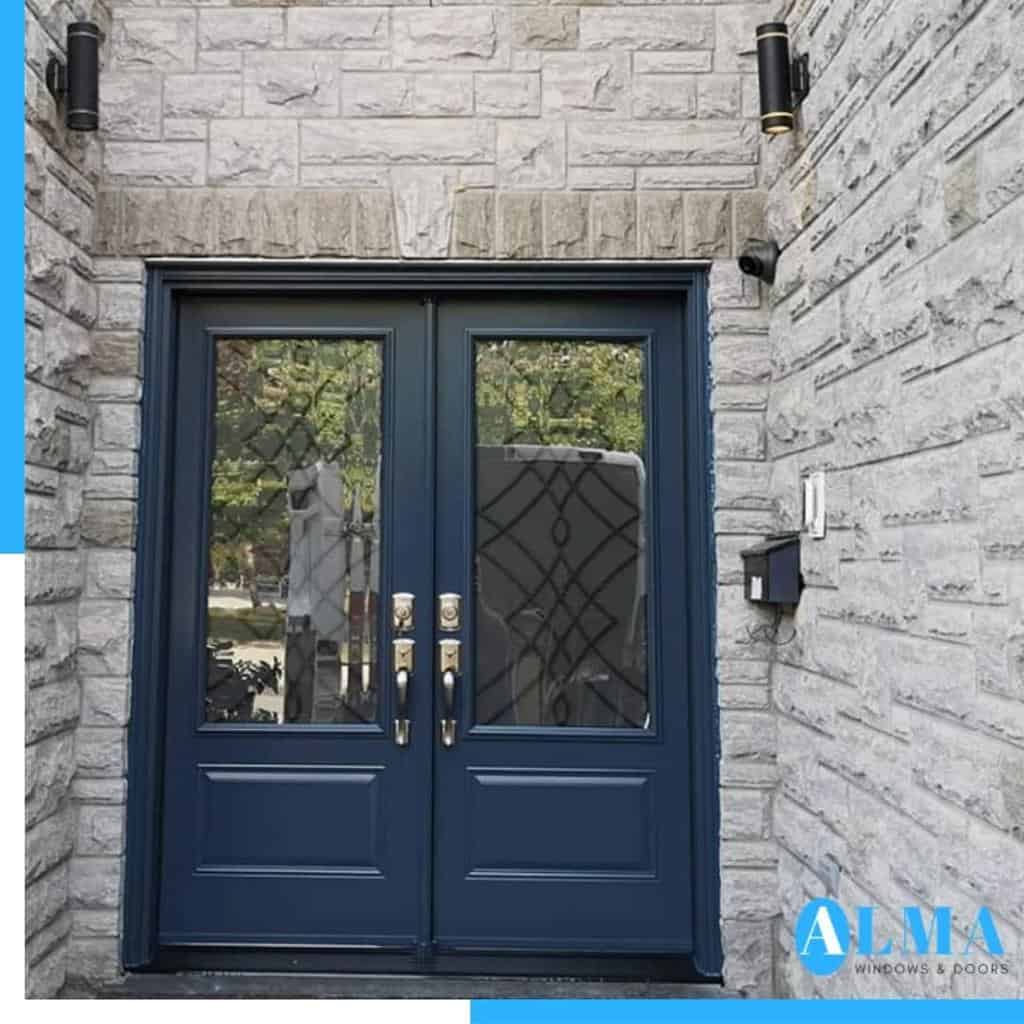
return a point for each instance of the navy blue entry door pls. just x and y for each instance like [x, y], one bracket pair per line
[428, 631]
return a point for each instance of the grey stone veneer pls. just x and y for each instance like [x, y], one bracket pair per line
[62, 172]
[897, 365]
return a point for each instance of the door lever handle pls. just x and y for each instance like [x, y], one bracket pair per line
[403, 649]
[448, 722]
[449, 656]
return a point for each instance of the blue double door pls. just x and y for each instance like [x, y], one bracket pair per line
[429, 632]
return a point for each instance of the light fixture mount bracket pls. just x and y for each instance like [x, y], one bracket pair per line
[800, 78]
[56, 78]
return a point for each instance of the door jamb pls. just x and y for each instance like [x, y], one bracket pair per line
[168, 283]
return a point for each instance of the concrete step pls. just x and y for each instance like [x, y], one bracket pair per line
[200, 985]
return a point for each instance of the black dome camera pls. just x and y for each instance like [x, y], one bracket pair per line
[759, 259]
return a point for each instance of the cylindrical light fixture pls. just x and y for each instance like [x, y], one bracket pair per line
[83, 76]
[78, 83]
[783, 83]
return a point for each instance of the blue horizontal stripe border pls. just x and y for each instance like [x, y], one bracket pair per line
[674, 1011]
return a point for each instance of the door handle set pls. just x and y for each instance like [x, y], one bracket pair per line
[403, 648]
[449, 618]
[449, 665]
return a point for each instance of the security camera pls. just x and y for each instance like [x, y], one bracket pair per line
[759, 259]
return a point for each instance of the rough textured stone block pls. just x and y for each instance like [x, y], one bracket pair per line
[278, 223]
[708, 225]
[310, 28]
[655, 142]
[260, 152]
[95, 882]
[325, 222]
[49, 765]
[531, 154]
[202, 96]
[748, 957]
[566, 225]
[423, 211]
[56, 429]
[49, 843]
[46, 977]
[52, 575]
[51, 709]
[660, 224]
[375, 225]
[131, 105]
[236, 221]
[456, 36]
[613, 225]
[304, 84]
[448, 94]
[151, 40]
[675, 28]
[420, 141]
[104, 628]
[473, 230]
[246, 29]
[520, 226]
[664, 96]
[155, 163]
[648, 62]
[719, 96]
[508, 95]
[384, 94]
[93, 961]
[540, 28]
[105, 701]
[588, 83]
[108, 523]
[100, 832]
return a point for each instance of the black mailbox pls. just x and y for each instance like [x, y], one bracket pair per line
[771, 570]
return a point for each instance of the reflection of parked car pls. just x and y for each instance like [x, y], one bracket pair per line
[267, 590]
[561, 586]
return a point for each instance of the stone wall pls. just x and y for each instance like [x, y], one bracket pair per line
[61, 175]
[473, 131]
[334, 129]
[897, 366]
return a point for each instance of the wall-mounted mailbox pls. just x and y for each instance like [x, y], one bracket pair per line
[771, 570]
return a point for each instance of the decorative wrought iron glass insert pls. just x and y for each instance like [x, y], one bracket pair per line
[294, 559]
[560, 573]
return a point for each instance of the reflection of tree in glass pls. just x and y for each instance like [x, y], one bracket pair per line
[578, 393]
[282, 405]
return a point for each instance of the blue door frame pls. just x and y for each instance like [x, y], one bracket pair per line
[183, 304]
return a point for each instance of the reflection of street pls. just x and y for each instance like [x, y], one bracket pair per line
[238, 599]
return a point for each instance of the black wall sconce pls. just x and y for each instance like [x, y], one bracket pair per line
[77, 83]
[784, 83]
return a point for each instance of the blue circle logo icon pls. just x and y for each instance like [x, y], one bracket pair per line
[822, 936]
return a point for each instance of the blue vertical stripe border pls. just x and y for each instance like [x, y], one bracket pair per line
[12, 297]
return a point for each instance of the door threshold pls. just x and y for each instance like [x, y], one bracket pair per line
[273, 985]
[254, 960]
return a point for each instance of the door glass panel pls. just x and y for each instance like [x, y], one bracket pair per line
[560, 576]
[294, 558]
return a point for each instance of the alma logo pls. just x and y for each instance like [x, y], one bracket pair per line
[823, 935]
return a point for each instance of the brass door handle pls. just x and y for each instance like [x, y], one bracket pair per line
[403, 659]
[449, 658]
